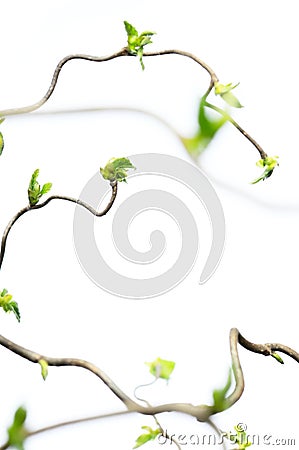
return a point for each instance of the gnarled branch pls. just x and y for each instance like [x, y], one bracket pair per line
[201, 412]
[125, 52]
[49, 199]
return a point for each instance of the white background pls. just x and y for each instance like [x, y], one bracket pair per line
[255, 286]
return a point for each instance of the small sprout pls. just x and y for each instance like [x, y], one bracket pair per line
[137, 42]
[1, 138]
[44, 367]
[116, 169]
[224, 90]
[17, 433]
[269, 163]
[146, 437]
[277, 357]
[219, 395]
[9, 305]
[161, 368]
[35, 192]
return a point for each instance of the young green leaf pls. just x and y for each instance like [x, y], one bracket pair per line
[269, 163]
[46, 188]
[17, 432]
[219, 395]
[161, 368]
[44, 367]
[131, 31]
[35, 192]
[224, 90]
[277, 357]
[137, 42]
[146, 437]
[8, 305]
[116, 169]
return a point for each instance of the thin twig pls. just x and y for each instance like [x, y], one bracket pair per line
[237, 370]
[68, 423]
[120, 53]
[59, 362]
[218, 431]
[263, 349]
[45, 98]
[124, 52]
[229, 118]
[158, 423]
[201, 412]
[267, 349]
[49, 199]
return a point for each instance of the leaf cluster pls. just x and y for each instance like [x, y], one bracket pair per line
[225, 92]
[269, 164]
[116, 169]
[8, 305]
[35, 191]
[136, 41]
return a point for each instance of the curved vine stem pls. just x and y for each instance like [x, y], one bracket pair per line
[56, 426]
[49, 199]
[263, 349]
[229, 118]
[201, 412]
[125, 52]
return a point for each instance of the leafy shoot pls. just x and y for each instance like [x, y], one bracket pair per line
[269, 164]
[8, 305]
[136, 41]
[35, 192]
[116, 169]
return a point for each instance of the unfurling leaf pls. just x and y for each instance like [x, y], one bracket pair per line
[35, 192]
[277, 357]
[131, 31]
[17, 432]
[161, 368]
[219, 395]
[116, 169]
[146, 437]
[8, 305]
[46, 188]
[269, 163]
[44, 366]
[137, 42]
[224, 90]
